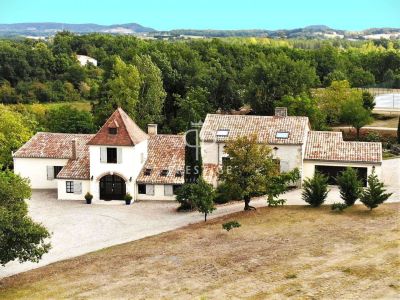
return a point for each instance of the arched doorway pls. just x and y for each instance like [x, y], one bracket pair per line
[112, 187]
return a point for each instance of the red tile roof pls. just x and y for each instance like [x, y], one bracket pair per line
[329, 146]
[266, 127]
[50, 145]
[78, 168]
[165, 152]
[128, 132]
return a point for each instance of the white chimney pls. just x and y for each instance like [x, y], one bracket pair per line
[280, 111]
[152, 129]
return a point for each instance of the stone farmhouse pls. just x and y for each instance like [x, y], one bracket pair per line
[121, 158]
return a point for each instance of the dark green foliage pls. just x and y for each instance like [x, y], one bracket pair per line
[374, 194]
[349, 186]
[20, 237]
[315, 190]
[199, 195]
[68, 119]
[230, 225]
[368, 100]
[278, 184]
[226, 193]
[338, 207]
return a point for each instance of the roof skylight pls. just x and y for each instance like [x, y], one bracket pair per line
[222, 132]
[282, 135]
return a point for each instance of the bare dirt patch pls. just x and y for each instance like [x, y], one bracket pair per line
[291, 251]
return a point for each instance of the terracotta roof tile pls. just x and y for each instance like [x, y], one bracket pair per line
[128, 132]
[78, 168]
[165, 152]
[50, 145]
[329, 146]
[266, 127]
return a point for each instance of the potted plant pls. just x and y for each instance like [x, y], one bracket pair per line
[128, 199]
[88, 197]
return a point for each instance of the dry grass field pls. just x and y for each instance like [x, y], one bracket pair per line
[285, 252]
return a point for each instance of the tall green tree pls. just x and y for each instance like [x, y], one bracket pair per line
[149, 108]
[121, 88]
[277, 76]
[315, 190]
[20, 237]
[68, 119]
[249, 167]
[15, 130]
[354, 113]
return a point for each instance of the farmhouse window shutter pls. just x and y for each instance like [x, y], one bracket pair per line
[77, 187]
[119, 155]
[50, 172]
[149, 189]
[168, 190]
[103, 154]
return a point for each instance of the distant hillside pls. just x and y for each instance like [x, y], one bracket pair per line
[309, 32]
[47, 29]
[314, 31]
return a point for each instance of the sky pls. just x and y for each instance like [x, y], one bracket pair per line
[208, 14]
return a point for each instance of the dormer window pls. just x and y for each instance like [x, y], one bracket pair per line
[112, 130]
[164, 173]
[178, 174]
[147, 172]
[222, 132]
[282, 135]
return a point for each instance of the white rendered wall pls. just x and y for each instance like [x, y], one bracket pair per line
[36, 170]
[309, 167]
[212, 153]
[130, 166]
[158, 194]
[62, 191]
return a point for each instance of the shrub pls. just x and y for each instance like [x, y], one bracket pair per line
[230, 225]
[273, 202]
[374, 194]
[315, 190]
[184, 196]
[226, 193]
[349, 186]
[338, 207]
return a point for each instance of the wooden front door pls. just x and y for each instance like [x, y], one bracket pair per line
[112, 187]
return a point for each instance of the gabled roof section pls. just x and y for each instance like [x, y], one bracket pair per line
[51, 145]
[78, 168]
[267, 128]
[128, 132]
[165, 162]
[329, 146]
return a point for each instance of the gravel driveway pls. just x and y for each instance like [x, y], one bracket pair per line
[78, 228]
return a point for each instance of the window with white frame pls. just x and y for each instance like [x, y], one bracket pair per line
[150, 189]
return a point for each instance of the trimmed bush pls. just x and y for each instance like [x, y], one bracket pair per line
[315, 190]
[349, 186]
[374, 194]
[338, 207]
[226, 193]
[230, 225]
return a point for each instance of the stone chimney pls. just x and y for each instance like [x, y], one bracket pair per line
[152, 129]
[73, 147]
[280, 111]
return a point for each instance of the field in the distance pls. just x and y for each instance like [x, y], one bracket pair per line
[290, 251]
[80, 105]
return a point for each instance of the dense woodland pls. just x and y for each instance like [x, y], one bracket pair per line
[174, 83]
